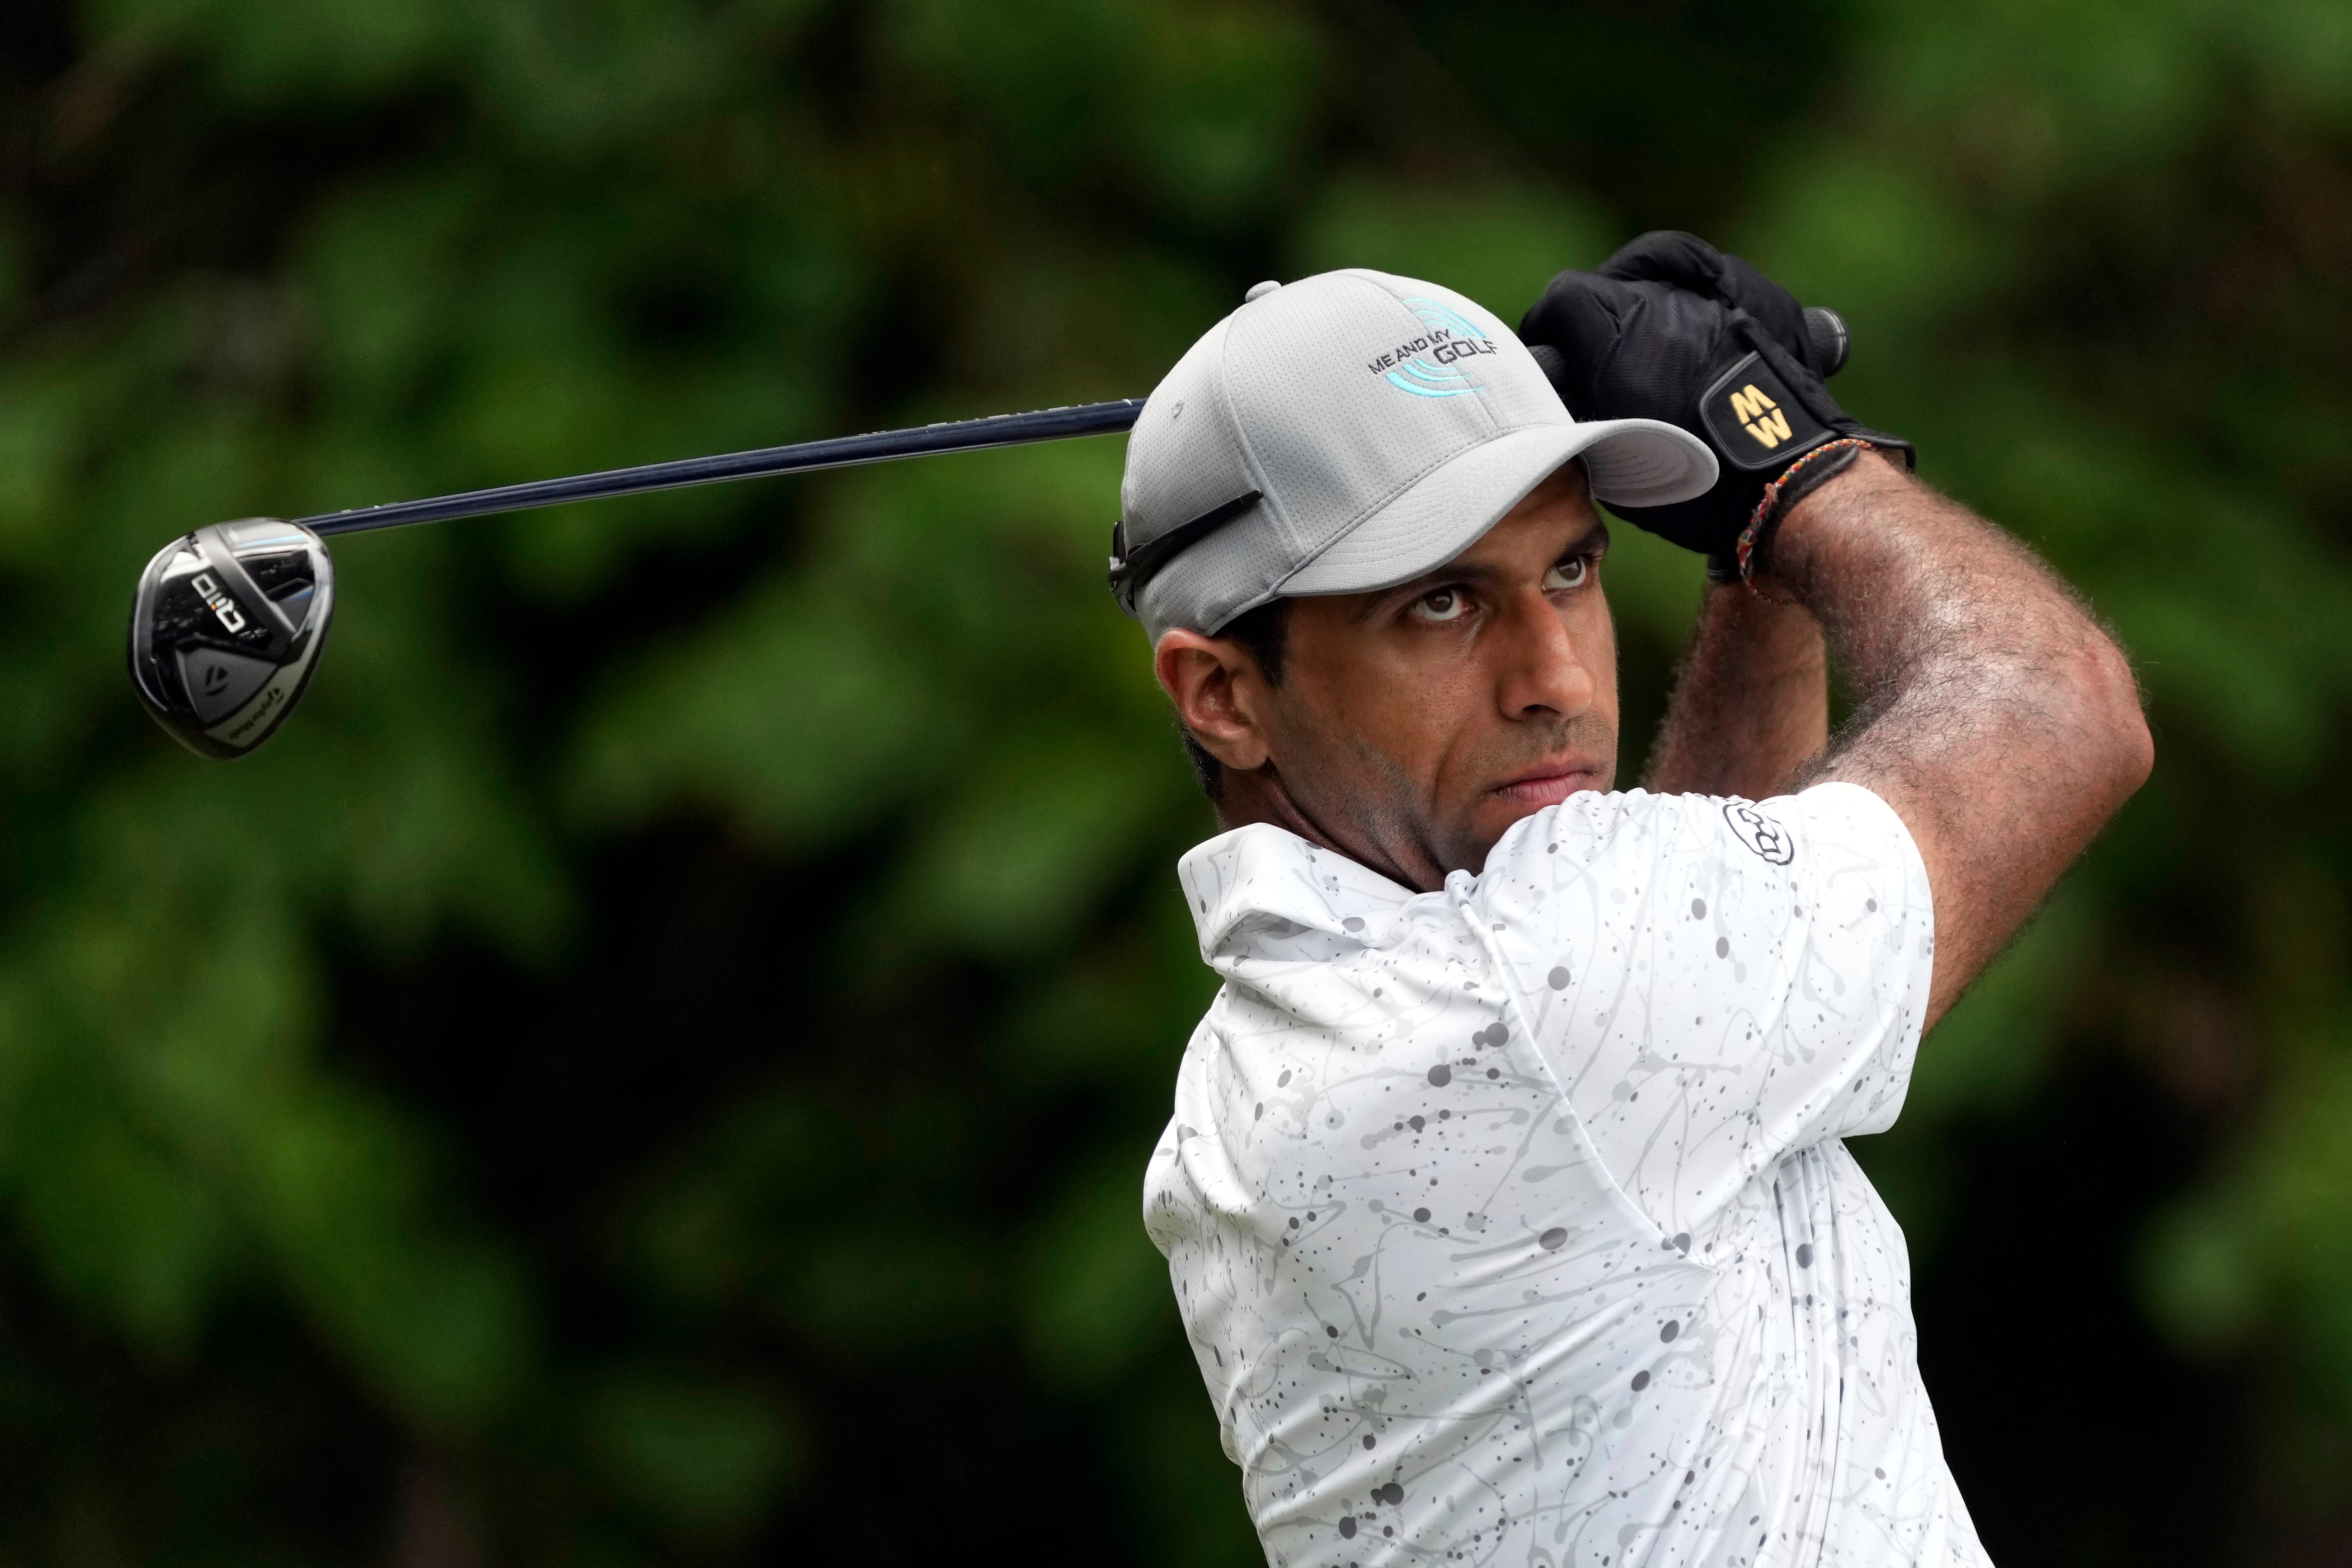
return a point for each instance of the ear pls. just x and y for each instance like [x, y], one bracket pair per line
[1220, 694]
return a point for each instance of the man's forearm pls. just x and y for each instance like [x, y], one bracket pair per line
[1750, 702]
[1995, 714]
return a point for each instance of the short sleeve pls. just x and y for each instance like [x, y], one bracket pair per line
[1717, 983]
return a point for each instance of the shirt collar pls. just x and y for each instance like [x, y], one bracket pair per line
[1260, 888]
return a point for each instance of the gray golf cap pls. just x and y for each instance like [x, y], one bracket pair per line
[1350, 432]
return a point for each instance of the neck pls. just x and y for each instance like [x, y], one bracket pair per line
[1261, 796]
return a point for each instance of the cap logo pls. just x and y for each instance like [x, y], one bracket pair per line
[1436, 363]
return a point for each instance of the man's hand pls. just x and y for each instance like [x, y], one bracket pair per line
[1671, 328]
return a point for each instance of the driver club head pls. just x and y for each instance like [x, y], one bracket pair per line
[226, 630]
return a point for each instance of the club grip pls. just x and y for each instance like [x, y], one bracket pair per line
[1832, 341]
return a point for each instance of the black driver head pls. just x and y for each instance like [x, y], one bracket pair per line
[226, 629]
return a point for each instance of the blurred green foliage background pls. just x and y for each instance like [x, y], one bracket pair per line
[655, 1064]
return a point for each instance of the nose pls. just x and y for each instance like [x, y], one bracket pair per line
[1541, 672]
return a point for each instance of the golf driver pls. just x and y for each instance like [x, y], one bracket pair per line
[227, 622]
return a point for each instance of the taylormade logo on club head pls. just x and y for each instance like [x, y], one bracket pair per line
[1435, 364]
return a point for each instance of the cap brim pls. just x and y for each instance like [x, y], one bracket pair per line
[1631, 462]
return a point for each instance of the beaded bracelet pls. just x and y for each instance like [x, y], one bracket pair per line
[1760, 521]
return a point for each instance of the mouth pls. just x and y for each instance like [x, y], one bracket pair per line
[1549, 782]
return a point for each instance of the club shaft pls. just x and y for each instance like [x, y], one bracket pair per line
[842, 451]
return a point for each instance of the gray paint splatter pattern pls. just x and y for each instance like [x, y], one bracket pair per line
[1511, 1222]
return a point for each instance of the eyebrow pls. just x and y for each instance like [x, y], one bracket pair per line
[1459, 571]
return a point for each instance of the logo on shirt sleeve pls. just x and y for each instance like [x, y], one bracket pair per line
[1759, 832]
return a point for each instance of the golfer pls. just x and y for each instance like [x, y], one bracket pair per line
[1506, 1199]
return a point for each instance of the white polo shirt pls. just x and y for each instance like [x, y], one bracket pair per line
[1511, 1222]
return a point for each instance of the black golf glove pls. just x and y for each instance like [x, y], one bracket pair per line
[1671, 328]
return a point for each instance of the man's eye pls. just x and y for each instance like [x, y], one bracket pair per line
[1568, 574]
[1443, 605]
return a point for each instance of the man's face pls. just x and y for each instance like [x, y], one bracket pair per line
[1413, 725]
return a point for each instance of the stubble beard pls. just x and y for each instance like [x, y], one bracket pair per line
[1380, 816]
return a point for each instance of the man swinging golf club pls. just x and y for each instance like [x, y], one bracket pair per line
[1504, 1198]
